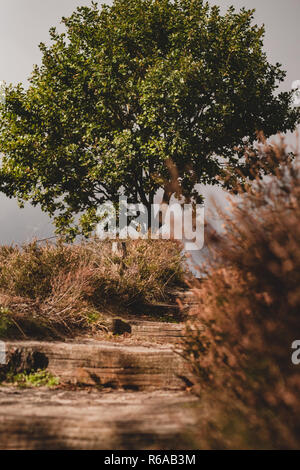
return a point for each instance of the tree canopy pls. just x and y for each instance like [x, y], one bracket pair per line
[129, 86]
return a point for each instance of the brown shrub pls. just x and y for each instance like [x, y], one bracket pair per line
[246, 316]
[65, 287]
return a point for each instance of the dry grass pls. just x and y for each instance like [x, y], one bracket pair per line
[53, 289]
[247, 315]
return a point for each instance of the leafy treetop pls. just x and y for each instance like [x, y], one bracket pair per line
[129, 86]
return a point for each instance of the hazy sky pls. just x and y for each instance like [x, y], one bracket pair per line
[25, 23]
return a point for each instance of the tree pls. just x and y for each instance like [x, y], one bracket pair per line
[127, 88]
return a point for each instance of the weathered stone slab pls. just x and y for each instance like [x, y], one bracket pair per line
[147, 330]
[102, 363]
[47, 420]
[166, 332]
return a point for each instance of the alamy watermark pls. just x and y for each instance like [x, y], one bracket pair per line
[296, 89]
[174, 221]
[296, 354]
[2, 93]
[2, 353]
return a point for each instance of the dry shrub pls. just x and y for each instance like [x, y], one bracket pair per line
[247, 315]
[59, 288]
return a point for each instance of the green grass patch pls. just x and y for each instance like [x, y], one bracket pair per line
[39, 378]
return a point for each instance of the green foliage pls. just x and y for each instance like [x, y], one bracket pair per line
[127, 87]
[39, 378]
[6, 323]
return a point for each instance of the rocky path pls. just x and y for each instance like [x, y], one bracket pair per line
[121, 393]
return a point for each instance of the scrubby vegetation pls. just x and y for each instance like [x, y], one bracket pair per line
[39, 378]
[53, 289]
[247, 316]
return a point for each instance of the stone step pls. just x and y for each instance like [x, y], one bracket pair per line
[101, 363]
[39, 419]
[168, 330]
[157, 331]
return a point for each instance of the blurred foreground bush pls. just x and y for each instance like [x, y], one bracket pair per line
[247, 315]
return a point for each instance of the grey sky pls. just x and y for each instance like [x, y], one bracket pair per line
[25, 23]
